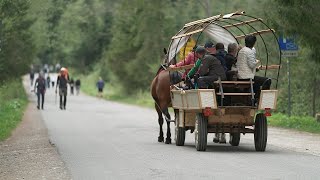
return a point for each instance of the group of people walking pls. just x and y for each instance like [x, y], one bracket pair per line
[42, 84]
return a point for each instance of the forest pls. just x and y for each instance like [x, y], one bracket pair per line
[122, 41]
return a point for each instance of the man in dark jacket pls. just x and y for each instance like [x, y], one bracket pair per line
[210, 70]
[220, 54]
[78, 84]
[40, 89]
[62, 83]
[100, 86]
[230, 57]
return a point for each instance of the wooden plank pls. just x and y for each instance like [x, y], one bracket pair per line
[242, 23]
[202, 20]
[255, 33]
[269, 67]
[180, 68]
[235, 94]
[237, 107]
[230, 130]
[233, 82]
[187, 34]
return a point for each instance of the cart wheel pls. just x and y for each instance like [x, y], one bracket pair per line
[180, 135]
[260, 132]
[234, 139]
[180, 132]
[201, 132]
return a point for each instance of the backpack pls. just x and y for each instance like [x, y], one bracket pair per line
[41, 86]
[63, 82]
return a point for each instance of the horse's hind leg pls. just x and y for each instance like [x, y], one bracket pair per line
[168, 118]
[160, 121]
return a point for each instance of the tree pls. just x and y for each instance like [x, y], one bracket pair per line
[17, 49]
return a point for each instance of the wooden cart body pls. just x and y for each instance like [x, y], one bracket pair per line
[203, 111]
[225, 119]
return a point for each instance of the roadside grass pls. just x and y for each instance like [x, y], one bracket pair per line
[13, 102]
[307, 123]
[112, 92]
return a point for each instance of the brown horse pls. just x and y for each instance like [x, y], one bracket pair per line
[160, 91]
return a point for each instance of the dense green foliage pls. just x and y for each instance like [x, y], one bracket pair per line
[16, 45]
[13, 101]
[122, 41]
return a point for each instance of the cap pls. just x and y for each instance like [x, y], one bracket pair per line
[201, 49]
[208, 44]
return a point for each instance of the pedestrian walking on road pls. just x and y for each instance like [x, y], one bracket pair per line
[31, 76]
[78, 84]
[52, 83]
[100, 86]
[40, 89]
[48, 81]
[62, 83]
[71, 86]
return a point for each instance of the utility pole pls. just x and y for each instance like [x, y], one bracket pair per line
[289, 88]
[314, 96]
[0, 34]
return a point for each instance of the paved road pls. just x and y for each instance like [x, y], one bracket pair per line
[98, 139]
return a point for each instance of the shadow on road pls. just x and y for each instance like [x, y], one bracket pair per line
[226, 148]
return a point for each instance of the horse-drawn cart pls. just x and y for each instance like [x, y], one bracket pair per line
[230, 106]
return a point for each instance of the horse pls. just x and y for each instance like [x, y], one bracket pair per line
[160, 91]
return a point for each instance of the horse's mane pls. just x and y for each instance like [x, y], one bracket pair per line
[161, 68]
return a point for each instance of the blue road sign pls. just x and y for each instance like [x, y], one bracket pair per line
[287, 44]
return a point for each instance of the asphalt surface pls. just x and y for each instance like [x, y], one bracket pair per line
[98, 139]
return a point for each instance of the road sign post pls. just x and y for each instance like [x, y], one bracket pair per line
[289, 49]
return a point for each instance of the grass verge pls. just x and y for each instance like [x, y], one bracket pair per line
[308, 124]
[13, 101]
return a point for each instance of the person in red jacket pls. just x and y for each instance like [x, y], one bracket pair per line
[190, 59]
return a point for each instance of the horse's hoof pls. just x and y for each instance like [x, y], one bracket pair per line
[160, 139]
[168, 141]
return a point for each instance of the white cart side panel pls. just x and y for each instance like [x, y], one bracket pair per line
[177, 99]
[268, 99]
[208, 98]
[192, 99]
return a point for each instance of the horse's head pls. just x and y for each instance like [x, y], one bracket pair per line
[164, 64]
[166, 56]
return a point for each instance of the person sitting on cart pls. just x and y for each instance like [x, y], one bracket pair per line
[221, 54]
[200, 52]
[190, 59]
[207, 70]
[231, 59]
[210, 47]
[247, 64]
